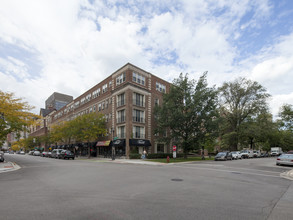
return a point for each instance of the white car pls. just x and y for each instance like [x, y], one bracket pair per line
[285, 159]
[37, 153]
[236, 155]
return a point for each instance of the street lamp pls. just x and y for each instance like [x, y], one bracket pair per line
[113, 147]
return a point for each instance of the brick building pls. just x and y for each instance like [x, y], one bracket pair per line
[127, 99]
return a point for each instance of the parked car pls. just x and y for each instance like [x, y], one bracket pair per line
[49, 154]
[247, 154]
[290, 152]
[223, 156]
[22, 153]
[236, 155]
[37, 153]
[56, 153]
[256, 153]
[44, 154]
[285, 159]
[31, 152]
[11, 152]
[1, 156]
[67, 154]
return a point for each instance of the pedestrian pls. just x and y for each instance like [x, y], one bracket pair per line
[144, 154]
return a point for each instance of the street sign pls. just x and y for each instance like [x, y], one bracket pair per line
[174, 154]
[174, 148]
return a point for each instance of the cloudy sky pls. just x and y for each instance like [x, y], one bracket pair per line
[69, 46]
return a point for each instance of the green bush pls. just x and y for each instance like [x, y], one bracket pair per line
[134, 156]
[163, 155]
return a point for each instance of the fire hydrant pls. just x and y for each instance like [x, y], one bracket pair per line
[168, 159]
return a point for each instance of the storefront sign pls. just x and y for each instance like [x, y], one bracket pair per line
[103, 143]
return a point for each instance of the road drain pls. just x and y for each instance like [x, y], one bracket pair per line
[177, 180]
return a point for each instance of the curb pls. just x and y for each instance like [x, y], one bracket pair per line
[287, 175]
[11, 166]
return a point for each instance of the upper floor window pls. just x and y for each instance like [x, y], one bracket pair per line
[138, 99]
[121, 116]
[96, 93]
[105, 88]
[160, 87]
[121, 132]
[82, 101]
[88, 97]
[138, 116]
[138, 132]
[120, 79]
[110, 84]
[138, 78]
[76, 104]
[121, 100]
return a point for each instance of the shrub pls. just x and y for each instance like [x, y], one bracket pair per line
[134, 156]
[163, 155]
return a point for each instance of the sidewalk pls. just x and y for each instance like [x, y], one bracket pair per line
[8, 166]
[129, 161]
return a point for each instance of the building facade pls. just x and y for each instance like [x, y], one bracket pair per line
[127, 99]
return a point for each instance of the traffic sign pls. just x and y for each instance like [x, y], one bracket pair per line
[174, 148]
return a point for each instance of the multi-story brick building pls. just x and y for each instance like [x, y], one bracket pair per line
[127, 99]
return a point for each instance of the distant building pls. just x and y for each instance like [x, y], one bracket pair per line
[58, 101]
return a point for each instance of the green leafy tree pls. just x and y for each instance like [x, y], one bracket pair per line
[15, 115]
[286, 115]
[189, 112]
[240, 100]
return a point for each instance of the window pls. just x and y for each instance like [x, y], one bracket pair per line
[110, 85]
[121, 116]
[103, 105]
[94, 108]
[121, 100]
[138, 99]
[121, 132]
[160, 87]
[82, 101]
[105, 88]
[91, 109]
[99, 107]
[107, 103]
[160, 148]
[138, 132]
[96, 93]
[156, 102]
[138, 116]
[138, 78]
[76, 104]
[120, 79]
[88, 97]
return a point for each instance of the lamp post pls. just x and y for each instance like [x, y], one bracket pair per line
[113, 147]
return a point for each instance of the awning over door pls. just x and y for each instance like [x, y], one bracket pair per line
[103, 143]
[139, 142]
[119, 143]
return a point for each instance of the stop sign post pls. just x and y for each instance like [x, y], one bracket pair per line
[174, 151]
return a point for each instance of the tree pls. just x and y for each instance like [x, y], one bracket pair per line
[189, 112]
[240, 100]
[14, 115]
[286, 114]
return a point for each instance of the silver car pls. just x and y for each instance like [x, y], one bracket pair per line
[37, 153]
[285, 159]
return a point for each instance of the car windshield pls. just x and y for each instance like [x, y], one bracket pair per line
[221, 154]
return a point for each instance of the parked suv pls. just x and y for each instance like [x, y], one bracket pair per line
[56, 153]
[224, 156]
[67, 154]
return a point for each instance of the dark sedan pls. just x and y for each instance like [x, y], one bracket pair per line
[224, 156]
[67, 154]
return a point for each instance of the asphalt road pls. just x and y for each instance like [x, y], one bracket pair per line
[47, 188]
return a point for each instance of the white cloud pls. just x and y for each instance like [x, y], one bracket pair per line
[77, 44]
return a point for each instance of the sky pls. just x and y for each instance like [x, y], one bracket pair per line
[70, 46]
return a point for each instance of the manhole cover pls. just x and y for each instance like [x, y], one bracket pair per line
[177, 180]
